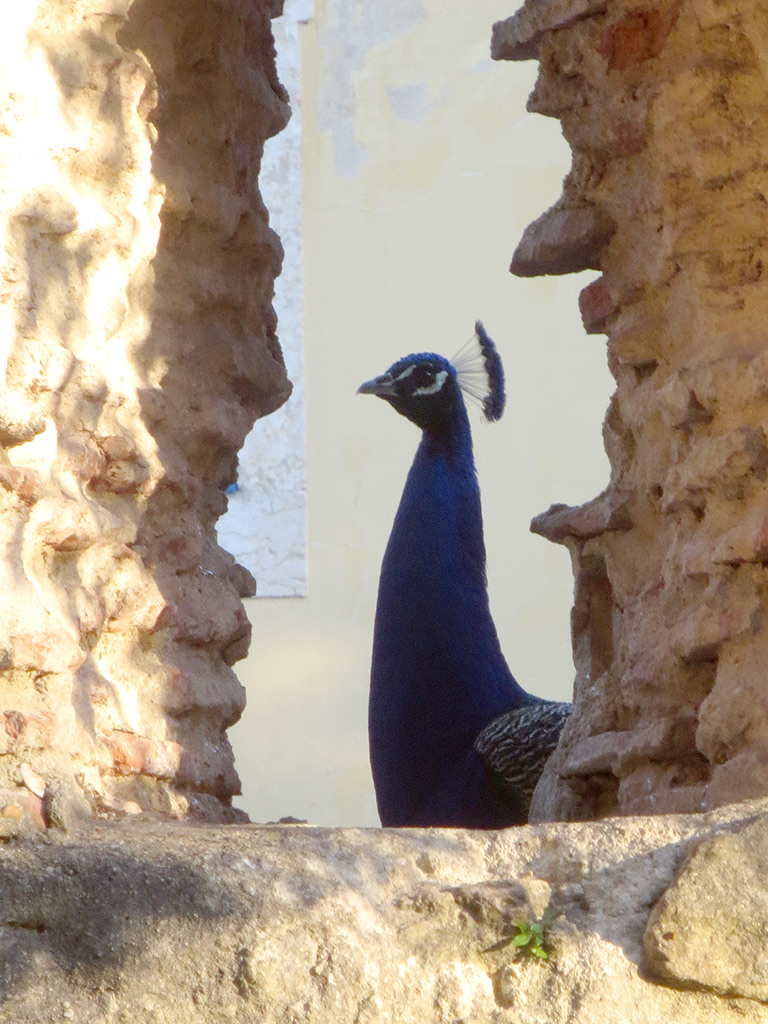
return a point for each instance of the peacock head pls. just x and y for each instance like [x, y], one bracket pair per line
[428, 388]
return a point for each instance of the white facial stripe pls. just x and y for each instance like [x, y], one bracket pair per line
[433, 388]
[406, 372]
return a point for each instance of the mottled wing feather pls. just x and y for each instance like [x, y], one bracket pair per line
[516, 745]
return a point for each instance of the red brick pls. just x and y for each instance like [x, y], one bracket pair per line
[595, 306]
[19, 803]
[637, 37]
[138, 755]
[27, 483]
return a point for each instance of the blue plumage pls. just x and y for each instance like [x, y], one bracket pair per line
[444, 708]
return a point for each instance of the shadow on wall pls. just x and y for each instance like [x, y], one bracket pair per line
[85, 909]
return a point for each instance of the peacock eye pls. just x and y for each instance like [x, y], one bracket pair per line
[422, 377]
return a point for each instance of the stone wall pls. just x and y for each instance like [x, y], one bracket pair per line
[664, 106]
[397, 926]
[139, 346]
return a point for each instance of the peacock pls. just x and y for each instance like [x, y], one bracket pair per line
[454, 739]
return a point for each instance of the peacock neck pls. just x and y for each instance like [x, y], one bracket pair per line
[439, 669]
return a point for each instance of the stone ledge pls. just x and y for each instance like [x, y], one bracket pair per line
[153, 922]
[518, 37]
[582, 522]
[563, 240]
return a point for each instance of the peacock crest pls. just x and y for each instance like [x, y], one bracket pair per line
[480, 374]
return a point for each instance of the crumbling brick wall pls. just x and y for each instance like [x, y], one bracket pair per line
[139, 346]
[665, 107]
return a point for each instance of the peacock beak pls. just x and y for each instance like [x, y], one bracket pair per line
[384, 386]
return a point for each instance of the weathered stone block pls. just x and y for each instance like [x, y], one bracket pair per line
[710, 928]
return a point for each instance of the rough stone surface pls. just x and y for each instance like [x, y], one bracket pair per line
[710, 928]
[265, 526]
[180, 924]
[664, 106]
[138, 348]
[518, 37]
[564, 240]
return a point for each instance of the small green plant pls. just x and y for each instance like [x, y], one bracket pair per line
[529, 939]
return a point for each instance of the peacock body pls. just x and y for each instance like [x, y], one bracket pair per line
[454, 739]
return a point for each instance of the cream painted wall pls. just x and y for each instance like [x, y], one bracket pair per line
[421, 170]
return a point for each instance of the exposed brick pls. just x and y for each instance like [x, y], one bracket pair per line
[20, 803]
[138, 755]
[595, 306]
[27, 483]
[638, 36]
